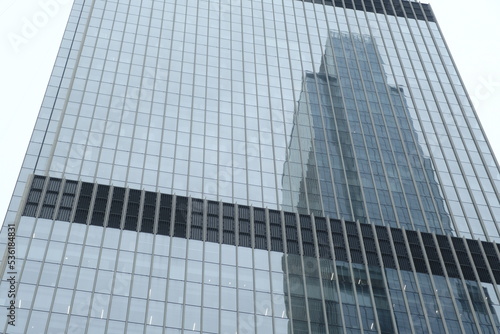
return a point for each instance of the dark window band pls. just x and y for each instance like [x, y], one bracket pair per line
[401, 8]
[244, 226]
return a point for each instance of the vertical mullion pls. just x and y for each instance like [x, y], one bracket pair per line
[237, 283]
[256, 77]
[167, 184]
[300, 150]
[252, 235]
[93, 292]
[144, 87]
[319, 272]
[352, 277]
[386, 281]
[417, 284]
[302, 271]
[368, 278]
[310, 200]
[286, 272]
[448, 283]
[334, 276]
[184, 74]
[463, 281]
[398, 269]
[169, 256]
[286, 168]
[431, 279]
[79, 267]
[268, 250]
[326, 211]
[186, 265]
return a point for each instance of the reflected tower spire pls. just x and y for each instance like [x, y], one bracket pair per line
[353, 137]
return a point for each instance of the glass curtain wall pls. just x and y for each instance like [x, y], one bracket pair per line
[254, 166]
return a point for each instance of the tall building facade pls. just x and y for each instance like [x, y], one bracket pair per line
[260, 166]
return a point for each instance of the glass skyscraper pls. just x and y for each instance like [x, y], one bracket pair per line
[259, 166]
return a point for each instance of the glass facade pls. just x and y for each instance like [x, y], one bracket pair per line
[362, 158]
[260, 166]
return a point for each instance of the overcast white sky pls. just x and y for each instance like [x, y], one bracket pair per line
[471, 29]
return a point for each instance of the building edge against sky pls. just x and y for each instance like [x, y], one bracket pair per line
[101, 102]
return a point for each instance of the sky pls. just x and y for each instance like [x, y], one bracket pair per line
[31, 31]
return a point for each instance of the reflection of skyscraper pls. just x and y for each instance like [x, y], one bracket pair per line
[355, 139]
[151, 196]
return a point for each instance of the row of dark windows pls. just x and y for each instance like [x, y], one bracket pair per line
[239, 225]
[401, 8]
